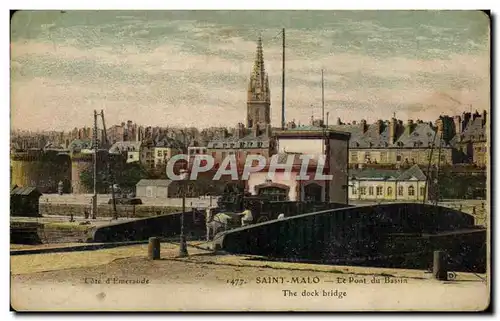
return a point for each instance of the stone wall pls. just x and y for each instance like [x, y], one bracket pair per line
[132, 211]
[103, 199]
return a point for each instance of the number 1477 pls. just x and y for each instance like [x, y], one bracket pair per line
[236, 282]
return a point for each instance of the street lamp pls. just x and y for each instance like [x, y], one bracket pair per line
[183, 245]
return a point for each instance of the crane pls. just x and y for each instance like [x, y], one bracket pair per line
[105, 144]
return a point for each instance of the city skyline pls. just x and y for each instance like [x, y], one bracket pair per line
[165, 68]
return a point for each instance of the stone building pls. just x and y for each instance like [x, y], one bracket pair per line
[394, 143]
[130, 150]
[256, 137]
[314, 142]
[388, 184]
[156, 153]
[450, 140]
[471, 138]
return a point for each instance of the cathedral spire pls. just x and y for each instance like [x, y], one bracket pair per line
[258, 67]
[259, 83]
[259, 95]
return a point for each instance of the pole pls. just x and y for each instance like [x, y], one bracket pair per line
[437, 169]
[183, 246]
[115, 213]
[439, 268]
[183, 211]
[322, 98]
[428, 179]
[94, 199]
[283, 85]
[327, 117]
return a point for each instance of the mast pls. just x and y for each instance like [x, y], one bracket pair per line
[110, 173]
[322, 98]
[436, 181]
[428, 179]
[283, 85]
[106, 140]
[94, 197]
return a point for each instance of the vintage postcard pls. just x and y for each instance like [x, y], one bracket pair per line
[250, 160]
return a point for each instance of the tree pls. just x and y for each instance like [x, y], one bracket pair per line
[125, 175]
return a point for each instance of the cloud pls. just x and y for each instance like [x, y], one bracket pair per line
[167, 71]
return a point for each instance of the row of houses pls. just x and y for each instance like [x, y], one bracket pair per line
[449, 140]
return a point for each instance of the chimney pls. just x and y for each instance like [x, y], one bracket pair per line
[476, 115]
[440, 127]
[268, 130]
[409, 127]
[291, 125]
[484, 117]
[392, 131]
[256, 131]
[354, 122]
[363, 125]
[240, 130]
[338, 121]
[465, 120]
[457, 120]
[380, 125]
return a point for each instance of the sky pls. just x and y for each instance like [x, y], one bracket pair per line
[191, 68]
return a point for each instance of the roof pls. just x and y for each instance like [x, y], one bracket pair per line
[154, 182]
[376, 135]
[475, 131]
[388, 174]
[25, 191]
[167, 142]
[422, 136]
[120, 147]
[413, 171]
[313, 132]
[79, 144]
[248, 141]
[374, 173]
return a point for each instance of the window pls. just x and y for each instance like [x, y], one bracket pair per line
[411, 190]
[422, 190]
[354, 190]
[400, 190]
[370, 190]
[398, 158]
[354, 157]
[274, 193]
[130, 156]
[389, 191]
[379, 190]
[159, 153]
[362, 190]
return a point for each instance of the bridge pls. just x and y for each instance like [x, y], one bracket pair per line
[399, 235]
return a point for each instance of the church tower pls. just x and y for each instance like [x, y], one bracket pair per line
[259, 95]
